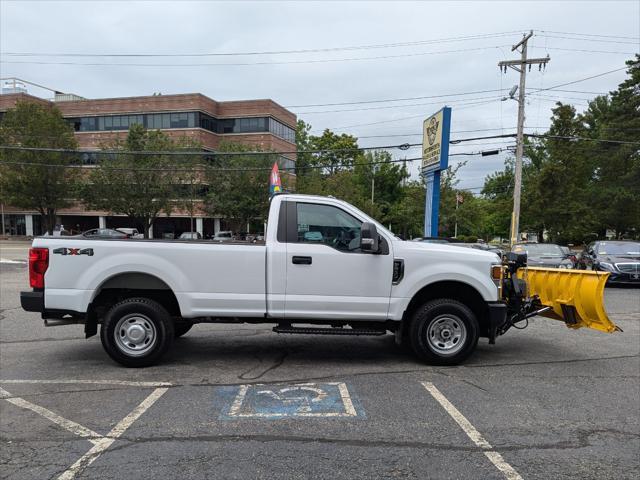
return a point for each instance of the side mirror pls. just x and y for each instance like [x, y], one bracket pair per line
[369, 238]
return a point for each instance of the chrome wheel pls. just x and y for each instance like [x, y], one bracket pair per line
[446, 335]
[135, 334]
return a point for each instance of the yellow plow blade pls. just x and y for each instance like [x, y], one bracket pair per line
[575, 296]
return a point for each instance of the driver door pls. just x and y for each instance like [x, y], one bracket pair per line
[328, 276]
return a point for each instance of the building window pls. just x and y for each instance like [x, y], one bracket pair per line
[14, 225]
[156, 121]
[281, 130]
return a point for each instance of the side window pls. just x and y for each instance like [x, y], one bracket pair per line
[328, 225]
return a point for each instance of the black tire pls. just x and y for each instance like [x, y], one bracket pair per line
[181, 328]
[443, 320]
[142, 316]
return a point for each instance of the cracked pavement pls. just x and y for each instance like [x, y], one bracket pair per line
[554, 403]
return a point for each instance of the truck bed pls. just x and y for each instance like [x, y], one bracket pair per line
[208, 278]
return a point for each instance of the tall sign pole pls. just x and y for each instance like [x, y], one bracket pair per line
[520, 66]
[435, 158]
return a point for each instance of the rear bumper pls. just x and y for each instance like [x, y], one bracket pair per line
[497, 318]
[32, 301]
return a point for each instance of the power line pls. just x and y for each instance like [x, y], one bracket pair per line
[188, 153]
[591, 39]
[244, 64]
[587, 139]
[457, 131]
[272, 52]
[590, 35]
[461, 107]
[193, 169]
[581, 79]
[361, 102]
[335, 104]
[386, 107]
[584, 50]
[316, 50]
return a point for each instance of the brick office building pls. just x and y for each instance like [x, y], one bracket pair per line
[262, 124]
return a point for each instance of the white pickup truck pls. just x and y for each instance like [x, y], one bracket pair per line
[325, 268]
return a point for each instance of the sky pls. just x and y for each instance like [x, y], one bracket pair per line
[404, 50]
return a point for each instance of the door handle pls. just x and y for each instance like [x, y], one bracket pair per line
[301, 260]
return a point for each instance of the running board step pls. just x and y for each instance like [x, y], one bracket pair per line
[328, 331]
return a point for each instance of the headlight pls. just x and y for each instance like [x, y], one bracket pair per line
[568, 265]
[607, 266]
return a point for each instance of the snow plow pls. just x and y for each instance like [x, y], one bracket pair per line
[575, 297]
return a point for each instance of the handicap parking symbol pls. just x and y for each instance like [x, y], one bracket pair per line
[331, 399]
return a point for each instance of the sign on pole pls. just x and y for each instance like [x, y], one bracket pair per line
[435, 158]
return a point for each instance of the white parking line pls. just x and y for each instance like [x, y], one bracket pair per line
[70, 425]
[475, 436]
[125, 383]
[100, 443]
[105, 442]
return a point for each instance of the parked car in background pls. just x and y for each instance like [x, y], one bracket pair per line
[570, 254]
[103, 233]
[131, 232]
[620, 258]
[223, 236]
[482, 246]
[547, 255]
[437, 240]
[190, 236]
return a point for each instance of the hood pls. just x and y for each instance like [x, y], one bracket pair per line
[619, 258]
[452, 249]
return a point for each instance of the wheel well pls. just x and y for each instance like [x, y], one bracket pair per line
[460, 291]
[127, 285]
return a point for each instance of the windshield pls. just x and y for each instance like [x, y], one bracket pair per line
[540, 250]
[618, 248]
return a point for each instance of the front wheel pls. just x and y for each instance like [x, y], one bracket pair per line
[443, 332]
[137, 332]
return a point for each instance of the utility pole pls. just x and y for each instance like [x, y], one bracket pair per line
[520, 66]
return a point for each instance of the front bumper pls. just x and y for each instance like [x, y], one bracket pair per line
[497, 318]
[32, 301]
[624, 278]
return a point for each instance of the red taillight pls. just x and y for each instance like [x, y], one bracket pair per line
[38, 263]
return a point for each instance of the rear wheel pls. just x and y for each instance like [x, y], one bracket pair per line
[137, 332]
[443, 332]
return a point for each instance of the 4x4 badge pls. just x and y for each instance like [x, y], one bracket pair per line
[73, 251]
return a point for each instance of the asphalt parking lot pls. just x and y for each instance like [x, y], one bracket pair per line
[236, 401]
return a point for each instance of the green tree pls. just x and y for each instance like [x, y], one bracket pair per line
[338, 152]
[141, 185]
[498, 192]
[615, 192]
[239, 185]
[303, 159]
[35, 180]
[408, 211]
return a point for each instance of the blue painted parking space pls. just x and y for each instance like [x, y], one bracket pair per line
[323, 400]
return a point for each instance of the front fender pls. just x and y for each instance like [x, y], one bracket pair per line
[415, 281]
